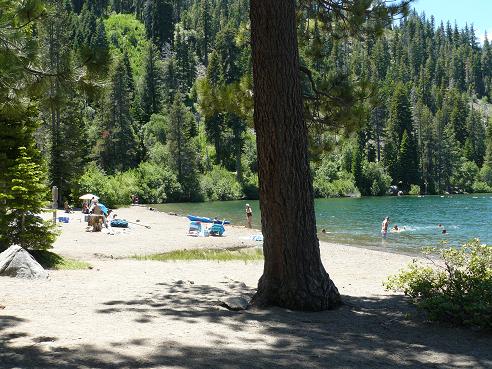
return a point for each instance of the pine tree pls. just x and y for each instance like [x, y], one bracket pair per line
[22, 189]
[158, 18]
[474, 149]
[407, 162]
[151, 90]
[181, 146]
[117, 146]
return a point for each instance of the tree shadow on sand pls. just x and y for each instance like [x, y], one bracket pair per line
[372, 332]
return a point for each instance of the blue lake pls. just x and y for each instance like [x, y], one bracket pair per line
[358, 221]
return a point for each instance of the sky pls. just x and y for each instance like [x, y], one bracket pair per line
[478, 12]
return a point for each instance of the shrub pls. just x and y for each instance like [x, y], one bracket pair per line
[481, 187]
[414, 190]
[157, 184]
[343, 186]
[113, 190]
[456, 289]
[375, 175]
[486, 174]
[250, 186]
[465, 176]
[219, 184]
[152, 183]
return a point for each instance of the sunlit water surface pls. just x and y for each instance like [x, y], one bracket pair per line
[358, 221]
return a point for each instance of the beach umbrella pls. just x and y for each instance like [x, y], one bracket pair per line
[88, 196]
[103, 208]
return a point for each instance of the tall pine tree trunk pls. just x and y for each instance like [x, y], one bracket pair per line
[293, 275]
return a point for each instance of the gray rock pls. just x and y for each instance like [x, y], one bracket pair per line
[235, 303]
[17, 262]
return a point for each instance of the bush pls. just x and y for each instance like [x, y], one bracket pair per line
[341, 187]
[250, 186]
[113, 190]
[465, 176]
[157, 184]
[481, 187]
[486, 174]
[375, 175]
[414, 190]
[456, 289]
[152, 183]
[220, 184]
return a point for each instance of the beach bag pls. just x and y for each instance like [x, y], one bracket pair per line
[119, 223]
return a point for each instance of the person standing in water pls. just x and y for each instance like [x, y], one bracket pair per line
[249, 216]
[384, 226]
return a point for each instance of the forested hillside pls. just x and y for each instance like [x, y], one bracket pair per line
[154, 98]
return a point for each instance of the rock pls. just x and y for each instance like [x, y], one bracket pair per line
[17, 262]
[235, 303]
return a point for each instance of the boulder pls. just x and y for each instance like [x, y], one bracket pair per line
[235, 303]
[17, 262]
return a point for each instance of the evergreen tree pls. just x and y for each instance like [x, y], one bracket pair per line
[407, 162]
[22, 189]
[159, 22]
[151, 90]
[180, 144]
[117, 147]
[474, 149]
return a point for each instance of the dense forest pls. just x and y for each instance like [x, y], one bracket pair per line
[154, 98]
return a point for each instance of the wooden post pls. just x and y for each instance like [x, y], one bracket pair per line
[54, 199]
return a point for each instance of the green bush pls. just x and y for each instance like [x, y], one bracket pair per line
[113, 190]
[375, 175]
[157, 184]
[219, 184]
[341, 187]
[481, 187]
[414, 190]
[152, 183]
[457, 288]
[486, 175]
[250, 186]
[465, 176]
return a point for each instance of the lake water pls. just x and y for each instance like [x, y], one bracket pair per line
[358, 221]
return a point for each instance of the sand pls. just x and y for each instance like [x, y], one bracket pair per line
[125, 313]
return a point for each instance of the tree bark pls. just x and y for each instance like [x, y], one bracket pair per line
[293, 275]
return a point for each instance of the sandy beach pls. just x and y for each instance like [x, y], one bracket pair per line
[125, 313]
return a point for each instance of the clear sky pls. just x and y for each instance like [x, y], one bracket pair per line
[478, 12]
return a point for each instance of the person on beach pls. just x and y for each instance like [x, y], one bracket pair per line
[384, 226]
[249, 215]
[111, 216]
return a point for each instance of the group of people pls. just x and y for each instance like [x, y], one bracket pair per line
[386, 222]
[93, 208]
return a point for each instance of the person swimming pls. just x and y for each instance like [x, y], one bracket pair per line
[395, 228]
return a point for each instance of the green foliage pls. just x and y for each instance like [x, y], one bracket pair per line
[340, 187]
[375, 175]
[182, 149]
[126, 34]
[117, 147]
[219, 184]
[23, 192]
[152, 183]
[465, 176]
[113, 190]
[456, 288]
[414, 190]
[157, 184]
